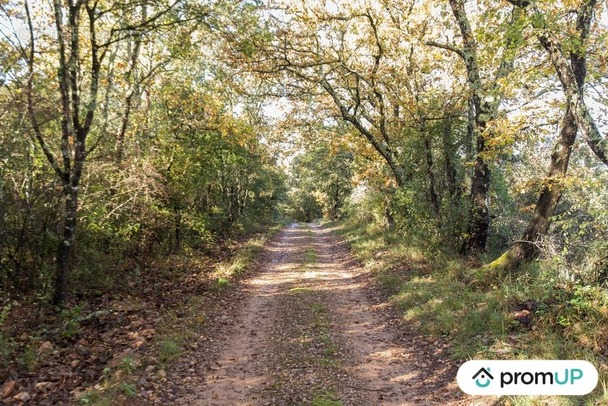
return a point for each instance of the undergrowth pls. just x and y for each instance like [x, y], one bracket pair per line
[177, 328]
[533, 314]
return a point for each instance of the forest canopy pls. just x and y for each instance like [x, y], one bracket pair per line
[136, 129]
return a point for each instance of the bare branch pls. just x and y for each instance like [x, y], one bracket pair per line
[447, 47]
[379, 147]
[36, 127]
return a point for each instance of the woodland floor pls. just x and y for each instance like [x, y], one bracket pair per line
[313, 329]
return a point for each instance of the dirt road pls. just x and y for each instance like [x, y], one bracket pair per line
[313, 331]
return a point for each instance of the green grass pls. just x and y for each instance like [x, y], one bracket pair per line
[310, 258]
[443, 297]
[128, 389]
[320, 326]
[128, 365]
[168, 350]
[7, 348]
[326, 399]
[244, 256]
[95, 398]
[300, 289]
[109, 395]
[220, 284]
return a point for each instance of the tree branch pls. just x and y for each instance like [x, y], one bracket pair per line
[447, 47]
[384, 152]
[30, 98]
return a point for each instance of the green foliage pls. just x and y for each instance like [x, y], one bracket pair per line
[27, 214]
[106, 373]
[181, 157]
[413, 215]
[94, 398]
[303, 206]
[310, 258]
[28, 359]
[128, 389]
[320, 181]
[504, 204]
[7, 349]
[176, 164]
[367, 206]
[221, 284]
[127, 365]
[4, 312]
[108, 396]
[241, 260]
[70, 321]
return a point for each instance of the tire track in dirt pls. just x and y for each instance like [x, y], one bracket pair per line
[237, 376]
[313, 328]
[395, 365]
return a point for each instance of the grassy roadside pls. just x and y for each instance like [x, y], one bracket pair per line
[533, 316]
[177, 329]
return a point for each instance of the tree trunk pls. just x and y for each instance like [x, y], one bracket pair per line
[479, 223]
[551, 191]
[66, 244]
[571, 75]
[483, 107]
[434, 198]
[550, 195]
[76, 118]
[448, 157]
[388, 215]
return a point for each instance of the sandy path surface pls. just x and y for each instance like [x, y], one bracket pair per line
[312, 329]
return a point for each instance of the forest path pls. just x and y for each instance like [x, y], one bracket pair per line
[312, 331]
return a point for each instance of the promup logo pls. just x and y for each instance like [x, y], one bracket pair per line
[483, 378]
[539, 377]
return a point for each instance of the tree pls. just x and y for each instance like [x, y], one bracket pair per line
[484, 101]
[85, 33]
[568, 56]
